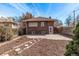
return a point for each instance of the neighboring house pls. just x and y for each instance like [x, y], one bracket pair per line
[8, 23]
[38, 25]
[58, 26]
[68, 31]
[71, 24]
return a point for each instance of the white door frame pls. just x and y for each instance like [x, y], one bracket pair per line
[50, 29]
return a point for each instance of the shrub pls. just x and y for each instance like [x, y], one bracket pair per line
[5, 34]
[73, 47]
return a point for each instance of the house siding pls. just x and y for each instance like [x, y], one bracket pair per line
[40, 29]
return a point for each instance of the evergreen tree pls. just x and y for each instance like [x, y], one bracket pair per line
[73, 47]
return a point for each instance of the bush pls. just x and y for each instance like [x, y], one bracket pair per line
[5, 34]
[73, 47]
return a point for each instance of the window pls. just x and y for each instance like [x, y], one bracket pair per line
[42, 24]
[43, 32]
[33, 32]
[6, 25]
[33, 24]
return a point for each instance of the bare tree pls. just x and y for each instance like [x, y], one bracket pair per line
[68, 20]
[26, 16]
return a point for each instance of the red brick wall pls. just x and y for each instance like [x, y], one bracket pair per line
[50, 23]
[38, 28]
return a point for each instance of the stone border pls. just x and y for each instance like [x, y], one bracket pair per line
[10, 40]
[19, 46]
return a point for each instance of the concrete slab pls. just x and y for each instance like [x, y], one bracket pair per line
[5, 55]
[49, 36]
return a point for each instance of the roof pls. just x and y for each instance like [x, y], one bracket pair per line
[38, 19]
[6, 20]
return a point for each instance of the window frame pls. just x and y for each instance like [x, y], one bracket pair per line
[32, 24]
[42, 24]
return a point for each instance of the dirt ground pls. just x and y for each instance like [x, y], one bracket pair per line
[34, 47]
[47, 48]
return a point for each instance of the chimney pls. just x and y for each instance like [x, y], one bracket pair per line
[49, 17]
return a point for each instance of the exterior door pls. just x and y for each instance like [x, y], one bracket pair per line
[50, 29]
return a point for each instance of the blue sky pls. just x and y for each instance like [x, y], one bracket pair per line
[56, 10]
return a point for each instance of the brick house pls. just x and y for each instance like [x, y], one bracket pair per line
[38, 25]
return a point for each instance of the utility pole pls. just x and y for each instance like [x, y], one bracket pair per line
[74, 13]
[74, 17]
